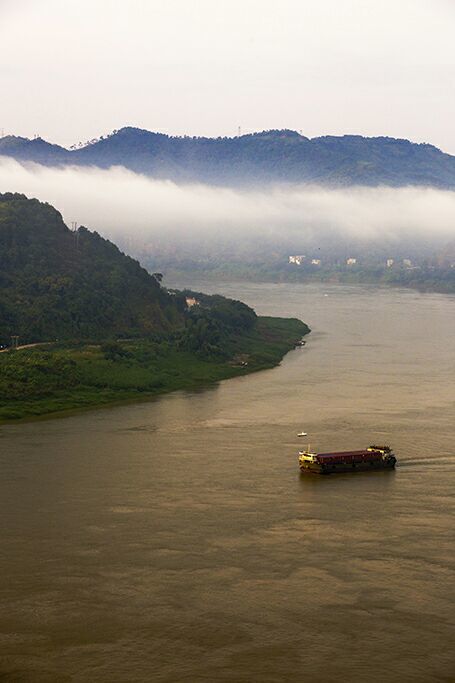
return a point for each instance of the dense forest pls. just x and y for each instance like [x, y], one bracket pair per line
[214, 324]
[59, 284]
[282, 156]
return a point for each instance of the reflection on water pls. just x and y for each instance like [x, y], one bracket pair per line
[176, 541]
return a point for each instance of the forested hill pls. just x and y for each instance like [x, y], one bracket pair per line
[282, 156]
[55, 283]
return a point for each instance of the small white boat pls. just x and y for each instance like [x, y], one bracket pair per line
[302, 434]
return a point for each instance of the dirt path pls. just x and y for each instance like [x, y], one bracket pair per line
[25, 346]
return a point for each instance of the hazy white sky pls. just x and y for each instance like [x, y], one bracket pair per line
[71, 70]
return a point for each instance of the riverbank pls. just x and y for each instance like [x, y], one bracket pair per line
[49, 381]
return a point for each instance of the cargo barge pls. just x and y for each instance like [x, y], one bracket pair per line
[372, 458]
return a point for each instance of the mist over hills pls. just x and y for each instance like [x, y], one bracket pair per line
[276, 156]
[242, 206]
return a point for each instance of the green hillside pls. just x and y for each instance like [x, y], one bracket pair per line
[59, 284]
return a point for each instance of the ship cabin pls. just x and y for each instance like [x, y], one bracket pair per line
[307, 456]
[382, 449]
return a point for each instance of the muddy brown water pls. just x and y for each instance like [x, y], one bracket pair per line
[175, 541]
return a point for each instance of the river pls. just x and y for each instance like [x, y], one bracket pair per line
[175, 541]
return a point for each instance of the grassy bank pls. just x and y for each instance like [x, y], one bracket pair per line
[48, 380]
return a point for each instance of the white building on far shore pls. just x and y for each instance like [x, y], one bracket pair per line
[297, 260]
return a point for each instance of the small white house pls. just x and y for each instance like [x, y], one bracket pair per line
[297, 260]
[316, 261]
[390, 262]
[351, 261]
[407, 263]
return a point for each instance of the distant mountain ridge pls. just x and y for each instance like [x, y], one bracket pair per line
[275, 156]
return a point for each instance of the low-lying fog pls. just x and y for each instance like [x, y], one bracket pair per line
[123, 205]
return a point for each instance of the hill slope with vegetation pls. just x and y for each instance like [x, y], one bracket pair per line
[59, 284]
[275, 156]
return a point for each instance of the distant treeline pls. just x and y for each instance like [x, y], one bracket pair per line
[425, 278]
